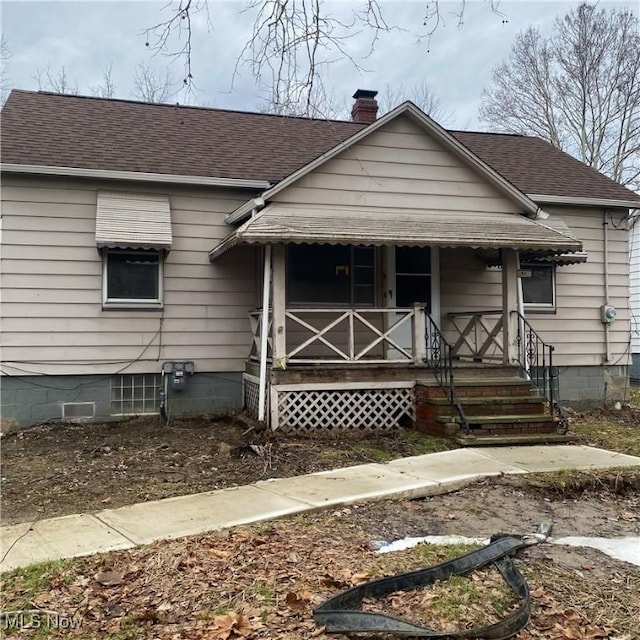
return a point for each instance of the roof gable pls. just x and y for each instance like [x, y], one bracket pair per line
[431, 129]
[396, 166]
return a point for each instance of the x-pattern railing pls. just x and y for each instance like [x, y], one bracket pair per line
[478, 334]
[351, 325]
[255, 322]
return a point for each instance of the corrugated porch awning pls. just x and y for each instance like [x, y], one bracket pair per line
[409, 227]
[133, 221]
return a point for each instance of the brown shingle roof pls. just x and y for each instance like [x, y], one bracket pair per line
[537, 167]
[93, 133]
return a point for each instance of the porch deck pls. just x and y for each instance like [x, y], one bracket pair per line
[384, 368]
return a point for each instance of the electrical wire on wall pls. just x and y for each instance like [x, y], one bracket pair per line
[127, 363]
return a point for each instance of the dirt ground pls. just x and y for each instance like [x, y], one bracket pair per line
[514, 504]
[60, 469]
[263, 581]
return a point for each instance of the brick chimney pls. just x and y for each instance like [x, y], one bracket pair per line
[365, 107]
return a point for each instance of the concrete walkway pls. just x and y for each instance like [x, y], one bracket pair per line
[420, 476]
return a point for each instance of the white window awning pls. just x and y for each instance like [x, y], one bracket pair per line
[133, 221]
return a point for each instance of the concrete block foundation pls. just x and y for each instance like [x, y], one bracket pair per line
[593, 386]
[29, 400]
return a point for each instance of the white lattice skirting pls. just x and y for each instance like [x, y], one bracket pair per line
[362, 409]
[251, 393]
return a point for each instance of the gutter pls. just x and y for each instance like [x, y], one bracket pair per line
[137, 176]
[239, 214]
[588, 202]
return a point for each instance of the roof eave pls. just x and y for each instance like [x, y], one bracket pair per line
[137, 176]
[587, 202]
[237, 238]
[244, 210]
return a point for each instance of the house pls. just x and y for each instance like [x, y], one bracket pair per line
[318, 273]
[634, 296]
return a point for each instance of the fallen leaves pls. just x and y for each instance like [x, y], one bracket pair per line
[263, 582]
[298, 600]
[109, 578]
[231, 625]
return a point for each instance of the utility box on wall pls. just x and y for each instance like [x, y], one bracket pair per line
[178, 372]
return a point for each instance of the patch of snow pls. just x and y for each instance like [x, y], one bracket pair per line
[626, 549]
[408, 543]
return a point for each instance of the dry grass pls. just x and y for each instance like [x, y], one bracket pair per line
[263, 582]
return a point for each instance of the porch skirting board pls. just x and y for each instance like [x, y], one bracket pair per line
[28, 400]
[356, 406]
[382, 406]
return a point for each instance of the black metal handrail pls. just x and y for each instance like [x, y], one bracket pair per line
[535, 358]
[440, 360]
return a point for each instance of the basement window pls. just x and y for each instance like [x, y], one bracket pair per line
[135, 394]
[132, 278]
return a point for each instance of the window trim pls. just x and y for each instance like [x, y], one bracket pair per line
[541, 307]
[132, 303]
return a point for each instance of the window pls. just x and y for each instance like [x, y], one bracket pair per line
[327, 274]
[132, 278]
[413, 275]
[136, 394]
[539, 289]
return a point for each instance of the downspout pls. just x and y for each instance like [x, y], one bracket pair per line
[605, 237]
[264, 334]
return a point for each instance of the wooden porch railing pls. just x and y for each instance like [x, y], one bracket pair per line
[255, 322]
[478, 335]
[371, 335]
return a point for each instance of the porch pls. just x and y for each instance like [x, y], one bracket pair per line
[361, 369]
[355, 318]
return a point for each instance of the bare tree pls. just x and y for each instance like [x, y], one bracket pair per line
[107, 88]
[57, 82]
[579, 89]
[293, 101]
[422, 95]
[5, 54]
[293, 41]
[152, 86]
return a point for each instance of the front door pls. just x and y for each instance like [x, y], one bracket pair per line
[410, 278]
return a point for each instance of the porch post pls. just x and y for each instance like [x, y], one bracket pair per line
[419, 331]
[264, 334]
[279, 307]
[510, 266]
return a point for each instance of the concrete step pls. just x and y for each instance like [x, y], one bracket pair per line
[507, 440]
[485, 388]
[474, 406]
[507, 425]
[470, 371]
[505, 419]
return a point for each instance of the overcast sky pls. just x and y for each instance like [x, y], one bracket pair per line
[87, 36]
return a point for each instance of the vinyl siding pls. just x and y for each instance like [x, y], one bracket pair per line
[575, 329]
[634, 259]
[398, 166]
[52, 316]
